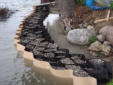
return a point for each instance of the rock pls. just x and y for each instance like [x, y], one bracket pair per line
[68, 29]
[105, 49]
[96, 46]
[107, 33]
[100, 38]
[106, 43]
[80, 36]
[101, 69]
[94, 54]
[90, 27]
[81, 25]
[66, 61]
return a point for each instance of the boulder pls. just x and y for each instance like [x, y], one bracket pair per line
[100, 38]
[90, 27]
[107, 33]
[105, 49]
[101, 69]
[97, 46]
[80, 36]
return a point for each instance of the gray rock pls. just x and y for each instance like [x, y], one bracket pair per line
[107, 33]
[80, 36]
[90, 27]
[97, 46]
[67, 61]
[100, 38]
[101, 69]
[106, 43]
[106, 49]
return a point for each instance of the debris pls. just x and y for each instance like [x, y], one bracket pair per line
[105, 19]
[100, 38]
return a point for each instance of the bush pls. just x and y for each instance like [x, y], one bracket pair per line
[110, 83]
[111, 6]
[81, 2]
[92, 40]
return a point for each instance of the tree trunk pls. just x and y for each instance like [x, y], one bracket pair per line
[46, 1]
[66, 7]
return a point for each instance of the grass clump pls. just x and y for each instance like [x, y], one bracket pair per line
[110, 83]
[81, 2]
[92, 40]
[111, 6]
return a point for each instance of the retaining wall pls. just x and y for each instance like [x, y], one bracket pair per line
[64, 74]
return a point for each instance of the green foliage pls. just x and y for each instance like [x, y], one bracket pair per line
[110, 83]
[81, 2]
[111, 6]
[92, 40]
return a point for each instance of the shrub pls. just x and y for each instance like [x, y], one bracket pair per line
[81, 2]
[92, 40]
[110, 83]
[111, 6]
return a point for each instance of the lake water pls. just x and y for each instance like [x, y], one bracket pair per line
[13, 69]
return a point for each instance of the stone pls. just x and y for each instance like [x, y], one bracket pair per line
[107, 33]
[94, 54]
[105, 49]
[66, 61]
[101, 69]
[81, 25]
[68, 29]
[78, 61]
[90, 27]
[100, 38]
[106, 43]
[96, 46]
[80, 36]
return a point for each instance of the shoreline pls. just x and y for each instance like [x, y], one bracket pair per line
[44, 64]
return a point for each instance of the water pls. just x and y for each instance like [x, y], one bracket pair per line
[13, 70]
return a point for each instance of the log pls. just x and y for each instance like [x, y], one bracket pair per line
[108, 15]
[102, 20]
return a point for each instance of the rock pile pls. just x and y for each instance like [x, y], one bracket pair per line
[99, 47]
[36, 39]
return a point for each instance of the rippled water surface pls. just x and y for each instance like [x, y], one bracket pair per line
[13, 70]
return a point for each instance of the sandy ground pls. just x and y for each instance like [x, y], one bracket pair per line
[58, 35]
